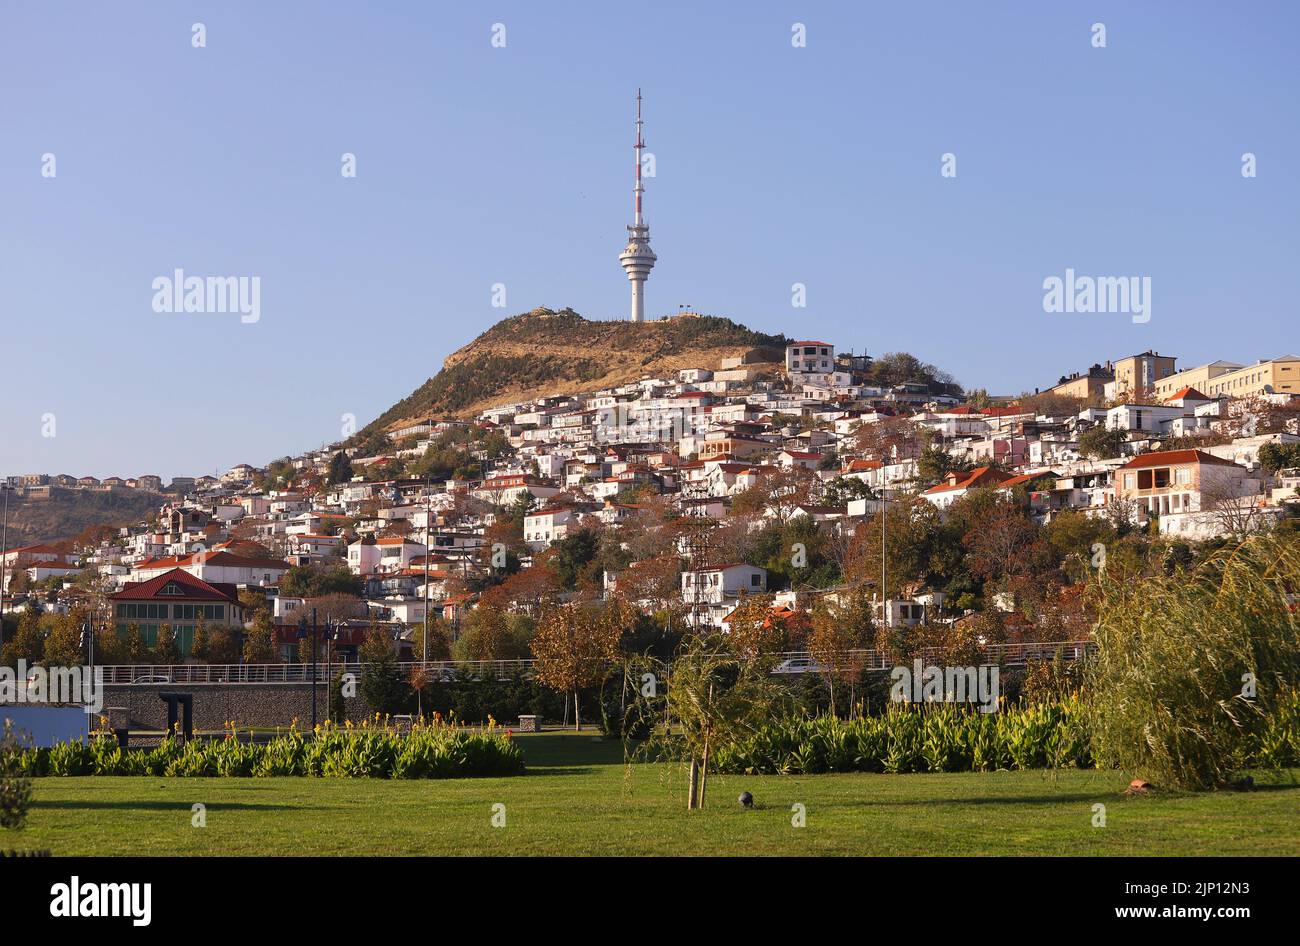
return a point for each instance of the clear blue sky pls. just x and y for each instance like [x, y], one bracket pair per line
[479, 165]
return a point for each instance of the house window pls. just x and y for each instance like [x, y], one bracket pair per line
[754, 580]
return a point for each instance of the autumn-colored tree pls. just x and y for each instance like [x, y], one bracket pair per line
[1003, 543]
[253, 600]
[490, 634]
[199, 642]
[840, 633]
[165, 650]
[891, 438]
[223, 645]
[656, 581]
[576, 644]
[137, 652]
[109, 648]
[752, 630]
[525, 590]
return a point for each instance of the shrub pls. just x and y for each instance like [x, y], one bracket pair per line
[939, 738]
[437, 750]
[1195, 671]
[15, 787]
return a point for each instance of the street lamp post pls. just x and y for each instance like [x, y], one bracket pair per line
[305, 631]
[330, 631]
[4, 555]
[88, 641]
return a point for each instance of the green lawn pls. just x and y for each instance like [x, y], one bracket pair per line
[579, 798]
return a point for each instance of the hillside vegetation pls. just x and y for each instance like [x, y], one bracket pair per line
[544, 352]
[68, 512]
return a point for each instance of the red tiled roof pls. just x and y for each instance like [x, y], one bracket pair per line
[1024, 478]
[196, 589]
[1186, 393]
[980, 476]
[224, 559]
[1173, 457]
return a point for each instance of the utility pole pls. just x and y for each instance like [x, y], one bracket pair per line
[884, 519]
[313, 669]
[4, 554]
[428, 516]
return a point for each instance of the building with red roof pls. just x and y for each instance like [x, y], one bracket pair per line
[177, 598]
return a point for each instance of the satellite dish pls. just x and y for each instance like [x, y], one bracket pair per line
[1268, 389]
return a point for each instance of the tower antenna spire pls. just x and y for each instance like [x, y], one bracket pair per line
[640, 143]
[637, 258]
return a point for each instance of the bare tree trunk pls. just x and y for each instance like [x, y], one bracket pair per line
[577, 713]
[704, 772]
[693, 787]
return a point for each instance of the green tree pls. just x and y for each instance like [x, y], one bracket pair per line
[1190, 667]
[1102, 443]
[715, 697]
[1279, 456]
[382, 686]
[439, 640]
[492, 634]
[259, 645]
[15, 789]
[935, 463]
[340, 470]
[316, 580]
[27, 643]
[573, 554]
[63, 644]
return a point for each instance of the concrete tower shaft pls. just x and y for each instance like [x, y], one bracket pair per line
[637, 259]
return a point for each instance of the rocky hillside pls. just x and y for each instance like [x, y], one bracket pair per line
[546, 352]
[67, 512]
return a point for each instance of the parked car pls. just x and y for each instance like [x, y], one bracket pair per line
[152, 678]
[799, 665]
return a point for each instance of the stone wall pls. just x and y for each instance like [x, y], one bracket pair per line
[215, 704]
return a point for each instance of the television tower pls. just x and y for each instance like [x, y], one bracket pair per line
[637, 258]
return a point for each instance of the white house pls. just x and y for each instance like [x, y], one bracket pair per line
[544, 526]
[714, 592]
[809, 357]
